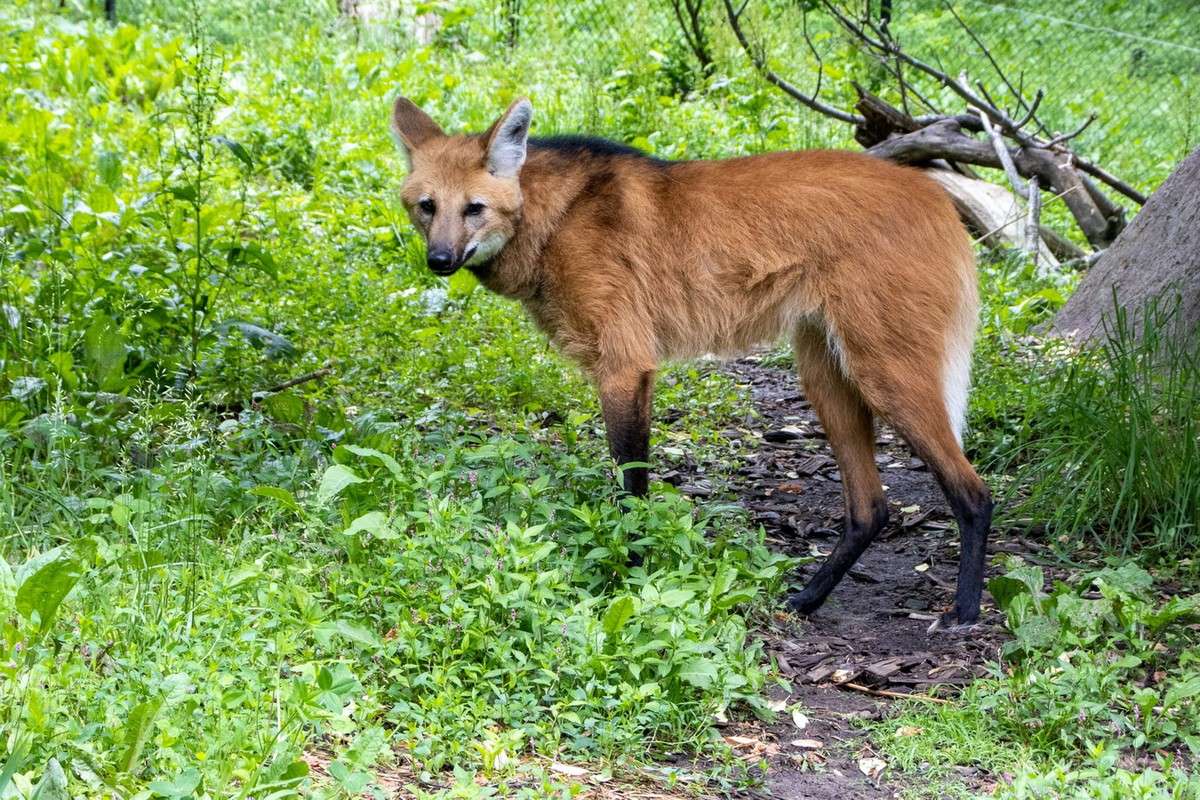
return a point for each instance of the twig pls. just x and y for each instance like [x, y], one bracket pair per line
[1110, 180]
[1033, 229]
[858, 687]
[1033, 107]
[1013, 221]
[1020, 98]
[890, 48]
[1065, 137]
[262, 394]
[312, 376]
[694, 34]
[1010, 169]
[760, 64]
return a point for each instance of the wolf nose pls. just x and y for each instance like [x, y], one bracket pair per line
[440, 261]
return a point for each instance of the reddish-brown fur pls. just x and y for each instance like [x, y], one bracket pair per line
[626, 261]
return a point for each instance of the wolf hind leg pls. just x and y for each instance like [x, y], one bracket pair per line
[911, 404]
[850, 427]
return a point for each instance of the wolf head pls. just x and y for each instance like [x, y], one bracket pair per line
[462, 193]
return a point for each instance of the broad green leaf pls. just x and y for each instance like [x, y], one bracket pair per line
[185, 192]
[8, 590]
[543, 550]
[243, 574]
[284, 407]
[64, 364]
[44, 590]
[250, 254]
[676, 598]
[283, 787]
[1005, 589]
[53, 785]
[282, 496]
[374, 523]
[183, 786]
[274, 346]
[233, 147]
[355, 633]
[137, 733]
[19, 752]
[722, 582]
[371, 454]
[108, 167]
[105, 349]
[121, 516]
[731, 599]
[700, 672]
[617, 615]
[336, 478]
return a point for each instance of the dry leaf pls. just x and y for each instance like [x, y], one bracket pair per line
[800, 720]
[779, 705]
[908, 730]
[872, 767]
[569, 770]
[741, 741]
[921, 567]
[842, 675]
[808, 744]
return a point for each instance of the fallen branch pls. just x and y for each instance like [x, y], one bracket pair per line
[760, 63]
[312, 376]
[263, 394]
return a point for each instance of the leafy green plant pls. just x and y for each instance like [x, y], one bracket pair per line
[1094, 696]
[537, 624]
[1101, 660]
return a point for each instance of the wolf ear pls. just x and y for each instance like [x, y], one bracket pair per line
[412, 126]
[506, 139]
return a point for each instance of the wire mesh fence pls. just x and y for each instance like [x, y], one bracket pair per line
[1135, 65]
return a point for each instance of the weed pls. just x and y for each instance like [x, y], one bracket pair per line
[1114, 449]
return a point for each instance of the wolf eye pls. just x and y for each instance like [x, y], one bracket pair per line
[473, 209]
[427, 205]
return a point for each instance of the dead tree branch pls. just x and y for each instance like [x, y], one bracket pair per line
[759, 60]
[1020, 146]
[690, 16]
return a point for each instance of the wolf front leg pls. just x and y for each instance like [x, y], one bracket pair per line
[625, 400]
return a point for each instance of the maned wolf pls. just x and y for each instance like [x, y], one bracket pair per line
[625, 260]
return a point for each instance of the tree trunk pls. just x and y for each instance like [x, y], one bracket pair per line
[1157, 256]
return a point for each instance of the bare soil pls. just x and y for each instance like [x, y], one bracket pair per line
[869, 644]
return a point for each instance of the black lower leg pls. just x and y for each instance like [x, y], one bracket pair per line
[627, 419]
[973, 511]
[860, 532]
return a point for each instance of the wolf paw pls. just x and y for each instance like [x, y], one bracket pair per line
[954, 623]
[803, 603]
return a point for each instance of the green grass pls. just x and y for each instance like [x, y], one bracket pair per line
[1114, 454]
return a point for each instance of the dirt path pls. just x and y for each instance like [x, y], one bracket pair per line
[872, 632]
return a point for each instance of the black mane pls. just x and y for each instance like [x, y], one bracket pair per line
[574, 144]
